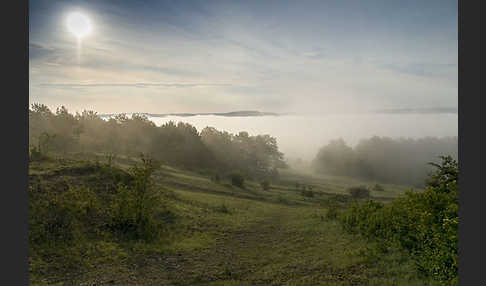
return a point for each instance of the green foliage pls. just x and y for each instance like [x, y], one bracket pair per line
[306, 190]
[85, 208]
[63, 217]
[45, 140]
[178, 144]
[36, 155]
[332, 212]
[237, 179]
[265, 185]
[359, 192]
[59, 216]
[223, 209]
[212, 217]
[425, 223]
[216, 178]
[378, 188]
[341, 198]
[110, 158]
[306, 193]
[252, 155]
[335, 158]
[133, 208]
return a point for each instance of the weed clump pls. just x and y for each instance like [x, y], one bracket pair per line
[359, 192]
[332, 212]
[306, 193]
[378, 188]
[265, 185]
[237, 179]
[62, 218]
[216, 178]
[223, 209]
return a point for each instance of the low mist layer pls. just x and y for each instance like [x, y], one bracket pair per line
[248, 145]
[385, 159]
[301, 136]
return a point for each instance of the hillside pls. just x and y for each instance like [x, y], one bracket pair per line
[213, 233]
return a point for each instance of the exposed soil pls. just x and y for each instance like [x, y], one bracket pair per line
[236, 259]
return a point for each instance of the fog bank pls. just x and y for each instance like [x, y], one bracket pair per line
[302, 136]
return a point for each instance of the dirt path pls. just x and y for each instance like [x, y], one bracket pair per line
[266, 253]
[232, 258]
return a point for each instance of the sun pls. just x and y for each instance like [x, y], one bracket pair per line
[79, 24]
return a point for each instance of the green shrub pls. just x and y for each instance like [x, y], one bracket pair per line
[363, 218]
[110, 158]
[63, 217]
[216, 178]
[36, 155]
[223, 209]
[71, 223]
[425, 224]
[133, 208]
[378, 188]
[237, 180]
[360, 192]
[332, 212]
[282, 200]
[309, 194]
[265, 185]
[340, 198]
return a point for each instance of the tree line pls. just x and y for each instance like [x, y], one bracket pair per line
[401, 161]
[178, 144]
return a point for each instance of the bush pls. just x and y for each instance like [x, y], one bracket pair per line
[36, 155]
[343, 199]
[216, 178]
[61, 218]
[133, 208]
[237, 180]
[282, 200]
[265, 185]
[425, 224]
[378, 188]
[223, 209]
[332, 212]
[110, 158]
[309, 194]
[360, 192]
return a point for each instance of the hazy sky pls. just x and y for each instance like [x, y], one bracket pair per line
[218, 56]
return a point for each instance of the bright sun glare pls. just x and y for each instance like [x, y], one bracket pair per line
[79, 24]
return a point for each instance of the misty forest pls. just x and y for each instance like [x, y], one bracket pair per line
[122, 200]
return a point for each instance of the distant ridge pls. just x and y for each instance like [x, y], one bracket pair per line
[419, 110]
[254, 113]
[242, 113]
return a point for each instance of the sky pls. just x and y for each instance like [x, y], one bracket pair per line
[221, 56]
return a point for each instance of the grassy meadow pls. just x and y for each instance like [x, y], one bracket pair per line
[212, 232]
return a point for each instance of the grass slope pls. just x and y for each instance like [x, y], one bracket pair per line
[218, 234]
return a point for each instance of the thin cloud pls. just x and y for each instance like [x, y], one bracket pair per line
[286, 57]
[422, 69]
[97, 60]
[137, 84]
[37, 51]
